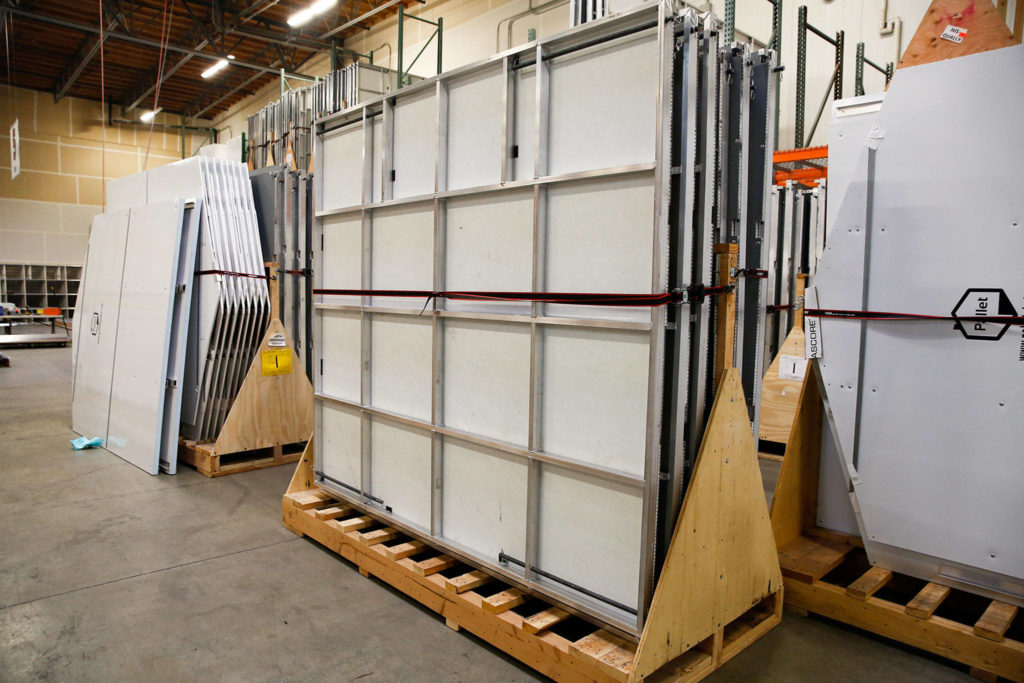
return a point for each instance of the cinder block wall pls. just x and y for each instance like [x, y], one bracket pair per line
[46, 212]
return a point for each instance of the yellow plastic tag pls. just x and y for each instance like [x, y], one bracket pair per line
[276, 362]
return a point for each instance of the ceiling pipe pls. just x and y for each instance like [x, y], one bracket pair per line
[530, 10]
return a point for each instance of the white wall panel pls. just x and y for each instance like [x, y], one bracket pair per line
[604, 107]
[575, 509]
[340, 349]
[524, 84]
[595, 396]
[415, 144]
[403, 251]
[400, 364]
[340, 431]
[485, 500]
[400, 470]
[487, 379]
[341, 263]
[345, 185]
[489, 247]
[475, 111]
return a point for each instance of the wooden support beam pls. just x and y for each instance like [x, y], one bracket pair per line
[403, 550]
[869, 584]
[378, 536]
[927, 600]
[542, 621]
[354, 524]
[467, 582]
[434, 565]
[332, 512]
[995, 621]
[306, 500]
[504, 601]
[725, 321]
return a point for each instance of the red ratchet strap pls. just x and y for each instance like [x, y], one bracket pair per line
[885, 315]
[692, 294]
[230, 272]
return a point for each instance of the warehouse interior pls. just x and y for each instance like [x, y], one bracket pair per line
[600, 340]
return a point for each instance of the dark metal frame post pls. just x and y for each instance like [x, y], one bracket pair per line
[886, 71]
[801, 74]
[839, 43]
[438, 28]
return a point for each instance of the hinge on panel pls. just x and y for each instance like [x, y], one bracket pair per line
[321, 366]
[392, 175]
[179, 289]
[515, 151]
[170, 383]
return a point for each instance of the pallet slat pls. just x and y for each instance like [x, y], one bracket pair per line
[504, 601]
[995, 621]
[927, 600]
[434, 565]
[869, 584]
[810, 559]
[403, 550]
[467, 582]
[545, 620]
[378, 536]
[332, 512]
[354, 524]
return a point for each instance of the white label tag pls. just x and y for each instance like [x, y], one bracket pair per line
[792, 367]
[812, 326]
[15, 150]
[277, 340]
[954, 34]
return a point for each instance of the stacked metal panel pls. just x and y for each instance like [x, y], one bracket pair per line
[796, 226]
[746, 141]
[546, 441]
[231, 305]
[132, 327]
[284, 212]
[283, 126]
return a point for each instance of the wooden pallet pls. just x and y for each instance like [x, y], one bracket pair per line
[720, 588]
[204, 457]
[829, 574]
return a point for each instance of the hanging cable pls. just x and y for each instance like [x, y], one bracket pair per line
[165, 31]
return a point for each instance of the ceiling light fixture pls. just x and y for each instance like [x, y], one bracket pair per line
[148, 116]
[304, 15]
[218, 65]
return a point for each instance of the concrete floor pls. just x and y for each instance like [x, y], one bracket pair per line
[107, 573]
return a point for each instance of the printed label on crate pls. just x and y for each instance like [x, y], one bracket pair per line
[276, 362]
[792, 367]
[954, 34]
[277, 340]
[812, 326]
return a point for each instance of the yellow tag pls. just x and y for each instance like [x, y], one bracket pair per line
[277, 362]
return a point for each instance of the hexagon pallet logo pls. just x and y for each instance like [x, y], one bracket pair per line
[980, 303]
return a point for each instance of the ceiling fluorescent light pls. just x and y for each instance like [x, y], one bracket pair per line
[220, 64]
[148, 116]
[304, 15]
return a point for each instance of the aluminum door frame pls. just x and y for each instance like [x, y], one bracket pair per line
[652, 15]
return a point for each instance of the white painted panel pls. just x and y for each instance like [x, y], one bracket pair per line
[341, 453]
[400, 364]
[603, 106]
[143, 334]
[340, 348]
[96, 322]
[400, 470]
[489, 248]
[576, 509]
[171, 181]
[595, 396]
[128, 191]
[484, 501]
[415, 144]
[343, 167]
[403, 252]
[525, 128]
[487, 379]
[476, 109]
[600, 238]
[341, 265]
